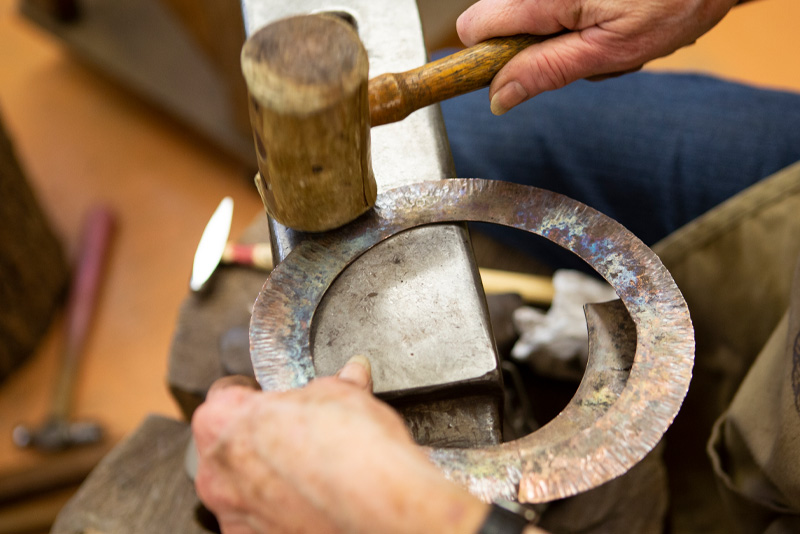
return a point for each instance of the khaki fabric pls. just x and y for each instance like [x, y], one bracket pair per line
[755, 445]
[745, 435]
[735, 266]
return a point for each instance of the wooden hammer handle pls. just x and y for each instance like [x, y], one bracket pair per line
[392, 97]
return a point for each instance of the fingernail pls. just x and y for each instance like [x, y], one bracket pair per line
[357, 370]
[507, 97]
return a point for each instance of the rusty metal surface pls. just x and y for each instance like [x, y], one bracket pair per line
[464, 421]
[617, 415]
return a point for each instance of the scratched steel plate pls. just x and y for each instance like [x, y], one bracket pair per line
[605, 429]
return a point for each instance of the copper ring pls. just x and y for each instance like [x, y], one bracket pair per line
[588, 443]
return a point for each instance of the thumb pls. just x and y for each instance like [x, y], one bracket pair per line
[357, 371]
[552, 64]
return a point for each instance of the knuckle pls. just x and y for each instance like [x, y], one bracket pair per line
[203, 429]
[549, 71]
[463, 26]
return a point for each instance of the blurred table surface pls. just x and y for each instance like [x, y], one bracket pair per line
[82, 139]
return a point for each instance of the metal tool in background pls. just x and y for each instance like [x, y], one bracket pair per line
[212, 245]
[215, 249]
[58, 432]
[640, 360]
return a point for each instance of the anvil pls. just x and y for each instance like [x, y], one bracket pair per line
[414, 304]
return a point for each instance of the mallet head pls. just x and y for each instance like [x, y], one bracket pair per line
[307, 79]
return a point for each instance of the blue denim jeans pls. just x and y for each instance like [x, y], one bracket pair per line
[652, 151]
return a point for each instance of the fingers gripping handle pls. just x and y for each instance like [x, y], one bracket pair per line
[392, 97]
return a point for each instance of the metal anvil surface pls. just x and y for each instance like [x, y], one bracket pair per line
[414, 305]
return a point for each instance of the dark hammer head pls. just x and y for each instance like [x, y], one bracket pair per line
[57, 434]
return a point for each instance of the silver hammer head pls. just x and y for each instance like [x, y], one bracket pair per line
[57, 434]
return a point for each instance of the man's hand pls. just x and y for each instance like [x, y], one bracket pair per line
[326, 458]
[603, 38]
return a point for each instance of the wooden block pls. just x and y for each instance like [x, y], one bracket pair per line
[141, 486]
[33, 270]
[199, 353]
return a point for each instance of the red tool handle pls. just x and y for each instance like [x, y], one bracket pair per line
[95, 240]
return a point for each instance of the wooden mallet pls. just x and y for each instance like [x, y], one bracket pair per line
[311, 108]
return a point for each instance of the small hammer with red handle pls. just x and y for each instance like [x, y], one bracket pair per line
[58, 432]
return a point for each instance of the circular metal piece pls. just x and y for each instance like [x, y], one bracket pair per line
[596, 437]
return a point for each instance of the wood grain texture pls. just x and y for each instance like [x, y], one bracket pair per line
[307, 78]
[392, 97]
[141, 486]
[33, 270]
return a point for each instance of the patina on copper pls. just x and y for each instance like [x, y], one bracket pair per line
[623, 405]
